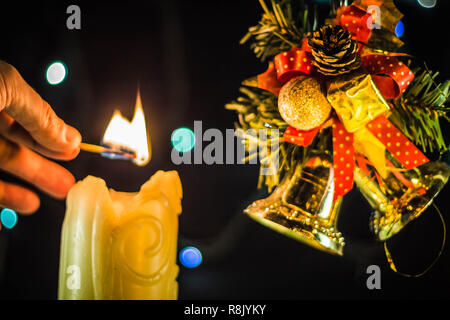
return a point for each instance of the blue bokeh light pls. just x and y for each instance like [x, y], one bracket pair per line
[190, 257]
[399, 29]
[8, 217]
[183, 139]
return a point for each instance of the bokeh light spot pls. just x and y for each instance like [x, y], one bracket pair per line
[427, 3]
[183, 139]
[56, 73]
[8, 217]
[399, 29]
[191, 257]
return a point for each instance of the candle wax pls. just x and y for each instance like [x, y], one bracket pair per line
[118, 245]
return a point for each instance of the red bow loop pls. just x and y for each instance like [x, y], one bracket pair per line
[292, 63]
[268, 80]
[355, 20]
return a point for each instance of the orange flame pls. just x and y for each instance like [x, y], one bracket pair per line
[131, 135]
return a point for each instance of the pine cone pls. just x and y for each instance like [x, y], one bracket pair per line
[334, 50]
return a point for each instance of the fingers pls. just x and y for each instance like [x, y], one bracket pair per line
[34, 114]
[18, 198]
[44, 174]
[12, 130]
[31, 122]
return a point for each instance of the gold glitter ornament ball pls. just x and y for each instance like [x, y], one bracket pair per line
[302, 104]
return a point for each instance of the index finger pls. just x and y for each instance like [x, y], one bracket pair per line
[25, 105]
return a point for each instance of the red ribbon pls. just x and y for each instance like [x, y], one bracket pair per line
[268, 80]
[292, 63]
[355, 20]
[300, 137]
[390, 75]
[396, 143]
[343, 160]
[286, 66]
[344, 152]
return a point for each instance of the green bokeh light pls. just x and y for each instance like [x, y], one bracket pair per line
[183, 139]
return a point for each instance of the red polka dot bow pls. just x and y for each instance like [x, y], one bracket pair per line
[294, 62]
[286, 66]
[391, 76]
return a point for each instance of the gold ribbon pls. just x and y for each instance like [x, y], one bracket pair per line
[369, 146]
[356, 100]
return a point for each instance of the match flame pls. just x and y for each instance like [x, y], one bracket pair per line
[132, 136]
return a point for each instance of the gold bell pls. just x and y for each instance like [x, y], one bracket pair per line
[402, 195]
[302, 206]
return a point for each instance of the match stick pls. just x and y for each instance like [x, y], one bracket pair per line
[100, 149]
[92, 148]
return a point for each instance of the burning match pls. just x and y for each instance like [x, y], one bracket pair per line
[112, 153]
[124, 139]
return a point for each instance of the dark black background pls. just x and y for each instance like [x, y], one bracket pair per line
[187, 59]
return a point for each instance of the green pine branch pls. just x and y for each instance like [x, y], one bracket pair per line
[418, 111]
[282, 26]
[258, 109]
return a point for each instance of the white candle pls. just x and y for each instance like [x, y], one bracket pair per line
[118, 245]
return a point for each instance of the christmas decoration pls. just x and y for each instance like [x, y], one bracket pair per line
[303, 207]
[302, 104]
[401, 196]
[334, 51]
[351, 111]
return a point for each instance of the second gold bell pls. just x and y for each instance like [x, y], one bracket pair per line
[402, 195]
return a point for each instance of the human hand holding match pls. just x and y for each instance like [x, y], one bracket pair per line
[28, 126]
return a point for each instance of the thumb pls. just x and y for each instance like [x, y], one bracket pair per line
[35, 115]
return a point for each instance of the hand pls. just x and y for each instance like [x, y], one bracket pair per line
[28, 123]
